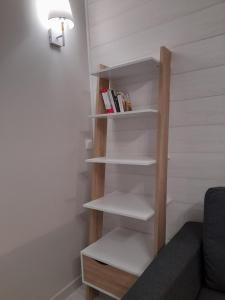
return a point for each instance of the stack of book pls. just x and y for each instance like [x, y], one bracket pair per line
[115, 101]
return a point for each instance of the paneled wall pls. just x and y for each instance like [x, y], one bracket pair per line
[121, 31]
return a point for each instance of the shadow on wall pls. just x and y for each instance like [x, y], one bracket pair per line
[41, 268]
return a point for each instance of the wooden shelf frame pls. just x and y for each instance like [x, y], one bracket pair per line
[98, 171]
[99, 161]
[162, 149]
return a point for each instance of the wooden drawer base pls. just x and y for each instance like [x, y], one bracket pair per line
[106, 278]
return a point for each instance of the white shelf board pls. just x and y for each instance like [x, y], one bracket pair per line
[118, 161]
[127, 250]
[125, 204]
[127, 114]
[138, 68]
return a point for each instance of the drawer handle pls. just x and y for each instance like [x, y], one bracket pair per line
[101, 263]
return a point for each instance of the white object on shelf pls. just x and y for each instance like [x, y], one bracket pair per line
[133, 113]
[140, 68]
[125, 204]
[119, 161]
[124, 249]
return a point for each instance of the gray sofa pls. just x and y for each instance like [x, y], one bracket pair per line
[192, 265]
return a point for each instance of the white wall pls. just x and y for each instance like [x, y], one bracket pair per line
[44, 102]
[194, 30]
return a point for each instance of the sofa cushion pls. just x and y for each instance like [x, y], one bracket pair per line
[214, 239]
[207, 294]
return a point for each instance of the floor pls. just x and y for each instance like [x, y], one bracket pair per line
[80, 295]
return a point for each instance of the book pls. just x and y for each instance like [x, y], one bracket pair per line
[116, 102]
[121, 101]
[128, 106]
[106, 100]
[111, 100]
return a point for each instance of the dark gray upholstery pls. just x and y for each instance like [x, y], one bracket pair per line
[214, 239]
[176, 272]
[208, 294]
[184, 267]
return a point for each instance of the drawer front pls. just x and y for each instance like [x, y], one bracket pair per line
[107, 278]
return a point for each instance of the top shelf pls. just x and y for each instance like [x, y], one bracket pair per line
[140, 68]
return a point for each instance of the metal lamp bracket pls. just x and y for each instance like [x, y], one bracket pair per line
[57, 37]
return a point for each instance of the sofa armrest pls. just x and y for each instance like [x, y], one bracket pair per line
[176, 273]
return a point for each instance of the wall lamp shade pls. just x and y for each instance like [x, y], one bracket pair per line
[55, 15]
[59, 18]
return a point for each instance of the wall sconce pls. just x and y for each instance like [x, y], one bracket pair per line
[59, 18]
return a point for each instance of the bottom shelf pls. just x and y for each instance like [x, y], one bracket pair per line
[113, 263]
[127, 250]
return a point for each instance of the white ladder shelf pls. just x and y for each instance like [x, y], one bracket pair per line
[113, 263]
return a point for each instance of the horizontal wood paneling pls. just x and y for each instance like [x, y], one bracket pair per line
[198, 84]
[186, 190]
[132, 142]
[195, 31]
[102, 10]
[191, 190]
[180, 213]
[202, 111]
[183, 139]
[126, 169]
[142, 17]
[177, 214]
[126, 182]
[197, 165]
[199, 25]
[204, 54]
[199, 55]
[133, 124]
[197, 139]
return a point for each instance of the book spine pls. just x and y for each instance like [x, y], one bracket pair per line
[112, 101]
[106, 100]
[115, 101]
[120, 100]
[128, 103]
